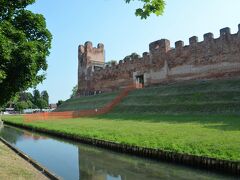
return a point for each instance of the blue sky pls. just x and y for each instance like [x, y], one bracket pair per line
[112, 22]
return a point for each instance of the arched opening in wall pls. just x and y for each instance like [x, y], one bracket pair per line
[140, 81]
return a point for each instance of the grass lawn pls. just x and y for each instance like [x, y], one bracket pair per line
[215, 136]
[195, 117]
[13, 166]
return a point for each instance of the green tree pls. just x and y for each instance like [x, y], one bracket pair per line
[74, 91]
[41, 103]
[149, 7]
[59, 103]
[12, 102]
[21, 105]
[21, 101]
[24, 45]
[45, 96]
[36, 96]
[26, 96]
[40, 100]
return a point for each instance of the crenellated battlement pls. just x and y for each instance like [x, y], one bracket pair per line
[208, 37]
[90, 59]
[193, 40]
[163, 63]
[88, 50]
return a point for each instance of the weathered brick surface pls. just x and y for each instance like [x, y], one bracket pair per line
[211, 58]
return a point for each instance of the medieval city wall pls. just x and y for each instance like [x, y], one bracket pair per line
[211, 58]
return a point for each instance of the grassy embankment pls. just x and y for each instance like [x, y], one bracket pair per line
[13, 166]
[200, 118]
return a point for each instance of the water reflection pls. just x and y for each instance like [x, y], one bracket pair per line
[72, 160]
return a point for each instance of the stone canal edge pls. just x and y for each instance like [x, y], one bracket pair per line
[207, 163]
[35, 164]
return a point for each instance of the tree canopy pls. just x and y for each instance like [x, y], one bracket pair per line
[24, 45]
[59, 103]
[74, 91]
[45, 96]
[27, 100]
[149, 7]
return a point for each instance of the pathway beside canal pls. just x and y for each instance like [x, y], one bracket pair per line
[14, 167]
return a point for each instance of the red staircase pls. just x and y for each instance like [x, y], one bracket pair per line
[81, 113]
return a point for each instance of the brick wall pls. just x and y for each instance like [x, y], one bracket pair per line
[211, 58]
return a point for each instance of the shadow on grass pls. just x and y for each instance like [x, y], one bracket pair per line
[223, 122]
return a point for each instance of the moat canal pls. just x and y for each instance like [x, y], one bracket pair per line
[71, 160]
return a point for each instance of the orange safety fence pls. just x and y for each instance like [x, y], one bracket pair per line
[82, 113]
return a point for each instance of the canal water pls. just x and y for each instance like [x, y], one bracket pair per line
[71, 160]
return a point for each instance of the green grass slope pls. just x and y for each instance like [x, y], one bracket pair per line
[195, 97]
[88, 102]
